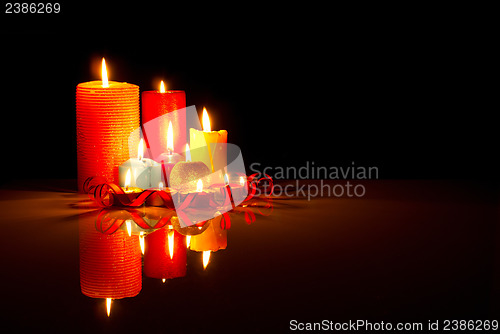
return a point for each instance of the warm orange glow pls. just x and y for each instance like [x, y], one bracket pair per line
[128, 178]
[108, 305]
[140, 149]
[170, 237]
[199, 186]
[205, 120]
[128, 223]
[242, 181]
[188, 153]
[104, 74]
[206, 259]
[188, 241]
[163, 280]
[170, 138]
[141, 242]
[162, 87]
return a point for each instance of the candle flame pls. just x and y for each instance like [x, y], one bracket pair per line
[170, 237]
[206, 259]
[170, 138]
[104, 74]
[163, 280]
[242, 181]
[226, 179]
[162, 87]
[206, 121]
[128, 178]
[160, 185]
[188, 241]
[140, 149]
[188, 153]
[108, 306]
[141, 242]
[199, 186]
[128, 223]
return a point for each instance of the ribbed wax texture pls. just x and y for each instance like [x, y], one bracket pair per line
[105, 118]
[110, 265]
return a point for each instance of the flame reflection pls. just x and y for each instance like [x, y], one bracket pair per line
[112, 243]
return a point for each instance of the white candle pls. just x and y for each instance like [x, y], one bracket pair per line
[146, 173]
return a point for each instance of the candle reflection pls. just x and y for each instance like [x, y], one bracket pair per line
[165, 256]
[110, 264]
[212, 239]
[113, 241]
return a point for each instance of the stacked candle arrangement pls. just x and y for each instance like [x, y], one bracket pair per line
[112, 240]
[150, 163]
[165, 171]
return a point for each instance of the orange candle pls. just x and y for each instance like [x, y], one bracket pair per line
[106, 114]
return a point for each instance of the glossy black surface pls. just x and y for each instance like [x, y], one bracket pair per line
[407, 251]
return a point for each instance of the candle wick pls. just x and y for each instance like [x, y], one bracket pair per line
[169, 151]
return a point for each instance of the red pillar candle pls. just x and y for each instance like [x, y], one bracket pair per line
[106, 115]
[165, 255]
[159, 103]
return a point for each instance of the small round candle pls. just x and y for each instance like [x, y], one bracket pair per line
[146, 173]
[130, 193]
[237, 185]
[155, 198]
[185, 175]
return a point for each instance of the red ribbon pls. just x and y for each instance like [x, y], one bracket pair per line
[109, 225]
[105, 194]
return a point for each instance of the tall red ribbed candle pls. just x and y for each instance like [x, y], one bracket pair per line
[156, 104]
[105, 118]
[157, 261]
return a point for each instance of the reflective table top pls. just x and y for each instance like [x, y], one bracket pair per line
[406, 251]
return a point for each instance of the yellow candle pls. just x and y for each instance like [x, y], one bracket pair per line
[209, 146]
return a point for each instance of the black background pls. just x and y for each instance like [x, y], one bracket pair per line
[403, 89]
[410, 90]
